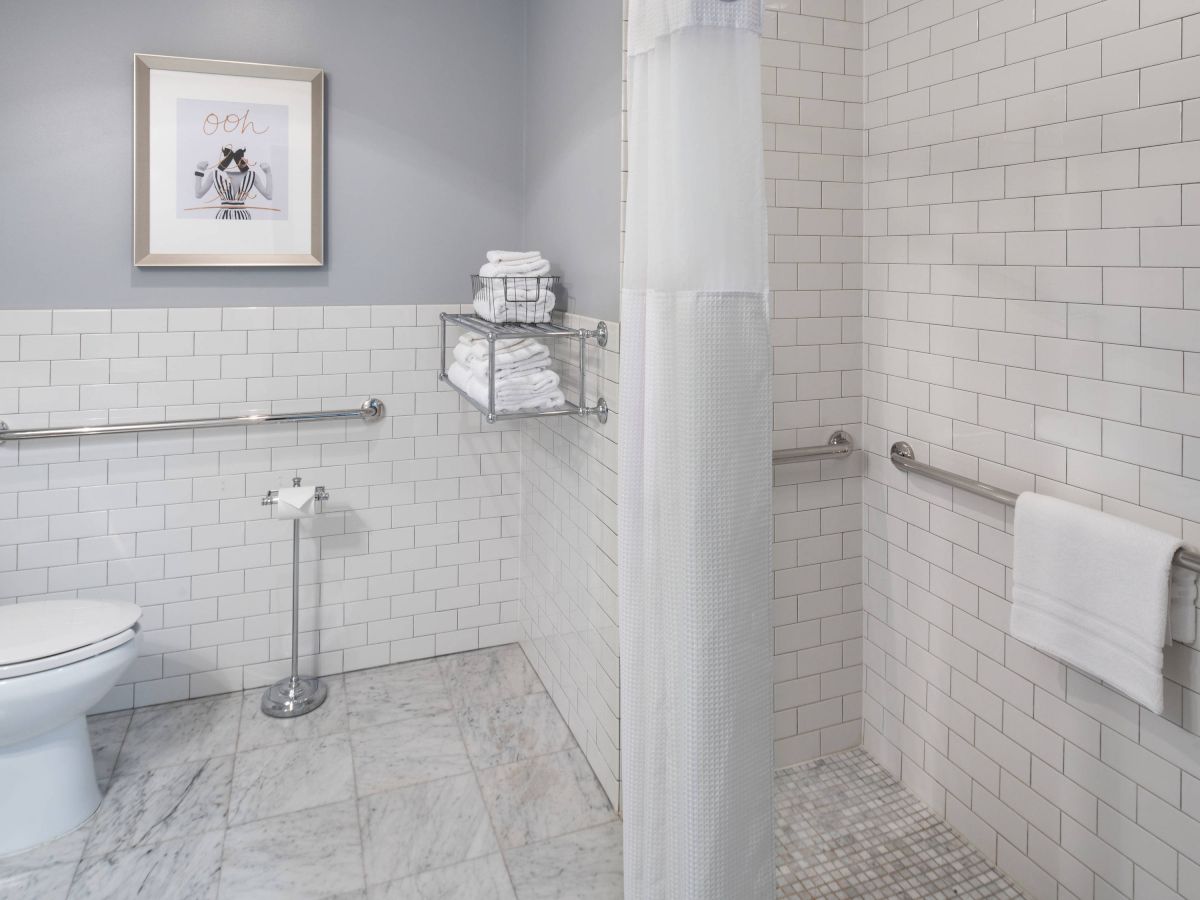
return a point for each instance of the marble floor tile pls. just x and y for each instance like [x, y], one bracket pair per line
[544, 797]
[392, 693]
[487, 676]
[50, 883]
[424, 826]
[291, 777]
[315, 853]
[514, 729]
[180, 732]
[161, 804]
[182, 869]
[583, 865]
[60, 851]
[423, 747]
[107, 733]
[478, 879]
[260, 730]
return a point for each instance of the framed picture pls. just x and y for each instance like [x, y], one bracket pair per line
[228, 163]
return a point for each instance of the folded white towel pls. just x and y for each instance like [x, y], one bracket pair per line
[514, 401]
[478, 344]
[526, 355]
[512, 256]
[521, 384]
[1092, 589]
[480, 367]
[530, 269]
[475, 346]
[1183, 606]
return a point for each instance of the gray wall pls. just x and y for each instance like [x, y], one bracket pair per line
[573, 146]
[424, 147]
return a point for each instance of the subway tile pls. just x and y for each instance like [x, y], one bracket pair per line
[1109, 94]
[1169, 164]
[1108, 246]
[1169, 81]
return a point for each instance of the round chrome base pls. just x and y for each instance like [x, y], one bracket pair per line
[293, 697]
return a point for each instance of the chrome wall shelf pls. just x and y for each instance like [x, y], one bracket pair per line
[370, 409]
[905, 459]
[840, 444]
[495, 331]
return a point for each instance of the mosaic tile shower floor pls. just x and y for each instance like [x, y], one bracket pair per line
[470, 787]
[845, 828]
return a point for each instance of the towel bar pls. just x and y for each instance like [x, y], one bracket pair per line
[370, 409]
[839, 444]
[905, 459]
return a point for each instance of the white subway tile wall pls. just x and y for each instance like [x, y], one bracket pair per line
[569, 555]
[415, 554]
[814, 164]
[1032, 320]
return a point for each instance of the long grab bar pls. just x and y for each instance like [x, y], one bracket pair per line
[905, 459]
[371, 409]
[839, 444]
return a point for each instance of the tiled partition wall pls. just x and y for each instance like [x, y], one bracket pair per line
[811, 103]
[569, 556]
[415, 554]
[1033, 320]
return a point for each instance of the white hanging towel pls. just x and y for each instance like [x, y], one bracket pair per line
[295, 503]
[1183, 605]
[1092, 589]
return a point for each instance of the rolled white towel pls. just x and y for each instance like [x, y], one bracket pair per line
[495, 308]
[515, 288]
[512, 256]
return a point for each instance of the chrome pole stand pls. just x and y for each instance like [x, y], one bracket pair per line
[297, 694]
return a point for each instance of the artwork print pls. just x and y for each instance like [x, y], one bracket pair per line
[232, 160]
[228, 163]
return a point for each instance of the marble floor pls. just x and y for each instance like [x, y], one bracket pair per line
[453, 779]
[448, 778]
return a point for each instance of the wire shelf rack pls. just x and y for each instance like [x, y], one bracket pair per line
[516, 298]
[498, 331]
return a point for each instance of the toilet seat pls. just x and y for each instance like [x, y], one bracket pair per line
[45, 634]
[45, 663]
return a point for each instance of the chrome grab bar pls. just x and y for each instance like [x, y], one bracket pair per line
[839, 444]
[905, 459]
[370, 409]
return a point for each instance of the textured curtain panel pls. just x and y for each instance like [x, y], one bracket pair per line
[695, 470]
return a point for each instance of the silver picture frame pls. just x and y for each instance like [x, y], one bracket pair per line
[143, 64]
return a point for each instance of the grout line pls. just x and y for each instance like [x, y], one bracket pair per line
[362, 847]
[478, 784]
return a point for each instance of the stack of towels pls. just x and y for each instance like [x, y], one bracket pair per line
[524, 380]
[512, 291]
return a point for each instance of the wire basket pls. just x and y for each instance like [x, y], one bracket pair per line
[509, 299]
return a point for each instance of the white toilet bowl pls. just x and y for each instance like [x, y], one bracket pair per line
[58, 658]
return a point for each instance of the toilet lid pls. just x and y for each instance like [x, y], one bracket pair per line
[42, 628]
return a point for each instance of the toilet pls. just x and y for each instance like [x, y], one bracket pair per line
[58, 658]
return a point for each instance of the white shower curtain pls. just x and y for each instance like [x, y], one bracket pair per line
[695, 469]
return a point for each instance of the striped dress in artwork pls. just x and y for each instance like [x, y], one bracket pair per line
[233, 194]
